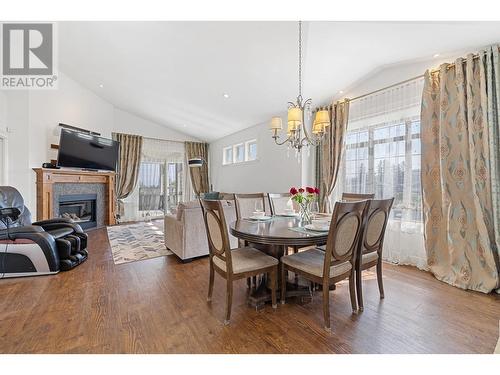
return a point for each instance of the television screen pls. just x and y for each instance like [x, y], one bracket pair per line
[80, 150]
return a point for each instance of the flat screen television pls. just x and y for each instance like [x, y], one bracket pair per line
[80, 150]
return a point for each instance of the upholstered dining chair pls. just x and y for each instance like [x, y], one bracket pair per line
[337, 262]
[245, 203]
[352, 197]
[371, 244]
[278, 202]
[245, 206]
[233, 264]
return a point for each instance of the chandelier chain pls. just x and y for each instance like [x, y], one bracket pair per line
[300, 58]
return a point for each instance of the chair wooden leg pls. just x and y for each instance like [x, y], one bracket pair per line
[249, 282]
[352, 292]
[229, 300]
[296, 278]
[359, 289]
[326, 306]
[211, 283]
[379, 279]
[254, 279]
[283, 284]
[273, 280]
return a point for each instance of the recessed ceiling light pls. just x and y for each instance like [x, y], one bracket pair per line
[436, 55]
[225, 95]
[341, 92]
[101, 85]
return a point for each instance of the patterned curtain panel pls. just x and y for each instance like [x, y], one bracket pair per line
[199, 176]
[491, 60]
[456, 175]
[128, 166]
[330, 152]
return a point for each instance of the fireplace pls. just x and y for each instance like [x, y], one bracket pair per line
[81, 208]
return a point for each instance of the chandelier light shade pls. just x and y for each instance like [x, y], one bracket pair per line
[317, 128]
[322, 117]
[276, 123]
[294, 118]
[299, 134]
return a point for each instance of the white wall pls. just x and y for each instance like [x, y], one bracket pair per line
[272, 172]
[32, 119]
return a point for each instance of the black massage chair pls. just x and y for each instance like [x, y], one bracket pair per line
[40, 248]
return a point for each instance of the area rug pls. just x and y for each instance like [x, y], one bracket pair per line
[497, 349]
[137, 241]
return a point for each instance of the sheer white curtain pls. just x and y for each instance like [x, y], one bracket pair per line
[163, 180]
[382, 156]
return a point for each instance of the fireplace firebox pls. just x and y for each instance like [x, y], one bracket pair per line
[81, 208]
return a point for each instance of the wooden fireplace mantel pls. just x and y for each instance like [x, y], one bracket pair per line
[46, 177]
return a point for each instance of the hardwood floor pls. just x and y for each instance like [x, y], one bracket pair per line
[159, 306]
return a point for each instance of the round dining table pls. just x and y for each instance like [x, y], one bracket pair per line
[274, 236]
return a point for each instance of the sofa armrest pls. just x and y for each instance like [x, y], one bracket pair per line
[174, 234]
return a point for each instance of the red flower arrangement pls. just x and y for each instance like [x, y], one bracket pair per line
[304, 196]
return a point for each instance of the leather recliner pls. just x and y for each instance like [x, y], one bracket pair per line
[42, 247]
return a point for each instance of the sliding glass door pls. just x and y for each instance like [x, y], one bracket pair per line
[160, 187]
[162, 182]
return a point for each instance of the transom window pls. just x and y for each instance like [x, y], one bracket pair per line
[240, 152]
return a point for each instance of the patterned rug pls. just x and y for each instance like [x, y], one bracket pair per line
[497, 349]
[137, 241]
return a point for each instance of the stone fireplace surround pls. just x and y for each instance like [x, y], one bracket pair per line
[59, 190]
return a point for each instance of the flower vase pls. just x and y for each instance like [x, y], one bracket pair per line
[305, 213]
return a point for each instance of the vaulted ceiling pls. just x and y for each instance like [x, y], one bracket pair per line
[176, 73]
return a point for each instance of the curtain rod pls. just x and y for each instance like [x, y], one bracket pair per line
[162, 139]
[432, 71]
[386, 88]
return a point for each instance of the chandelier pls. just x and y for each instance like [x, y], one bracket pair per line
[298, 133]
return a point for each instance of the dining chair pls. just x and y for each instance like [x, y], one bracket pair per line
[245, 206]
[233, 264]
[245, 203]
[337, 262]
[352, 197]
[371, 243]
[278, 202]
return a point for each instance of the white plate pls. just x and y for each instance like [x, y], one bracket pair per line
[260, 218]
[287, 215]
[322, 229]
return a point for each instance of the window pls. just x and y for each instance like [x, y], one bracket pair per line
[228, 155]
[240, 152]
[251, 150]
[385, 159]
[382, 156]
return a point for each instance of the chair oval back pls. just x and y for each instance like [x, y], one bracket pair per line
[353, 197]
[215, 225]
[345, 231]
[377, 216]
[245, 204]
[278, 202]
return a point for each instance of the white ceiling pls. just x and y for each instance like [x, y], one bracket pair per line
[175, 73]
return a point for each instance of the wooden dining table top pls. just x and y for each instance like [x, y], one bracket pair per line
[276, 231]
